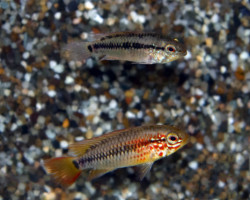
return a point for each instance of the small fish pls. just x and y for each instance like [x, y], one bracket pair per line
[137, 146]
[138, 47]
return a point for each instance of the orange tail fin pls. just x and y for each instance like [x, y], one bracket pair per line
[63, 170]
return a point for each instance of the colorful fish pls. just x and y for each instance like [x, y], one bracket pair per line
[138, 146]
[138, 47]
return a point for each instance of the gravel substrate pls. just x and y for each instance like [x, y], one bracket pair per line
[48, 102]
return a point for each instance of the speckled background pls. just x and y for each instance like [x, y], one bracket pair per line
[47, 102]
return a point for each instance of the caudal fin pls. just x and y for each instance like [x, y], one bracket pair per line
[63, 169]
[78, 51]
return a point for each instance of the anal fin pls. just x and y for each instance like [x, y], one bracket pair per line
[95, 173]
[107, 57]
[143, 169]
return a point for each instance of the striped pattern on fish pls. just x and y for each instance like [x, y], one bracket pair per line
[138, 146]
[146, 48]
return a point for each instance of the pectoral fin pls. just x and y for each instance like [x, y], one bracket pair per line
[143, 169]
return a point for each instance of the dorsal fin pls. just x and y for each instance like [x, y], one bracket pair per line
[80, 148]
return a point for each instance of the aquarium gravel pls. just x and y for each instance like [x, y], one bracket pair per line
[48, 102]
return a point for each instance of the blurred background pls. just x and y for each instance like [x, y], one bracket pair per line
[48, 102]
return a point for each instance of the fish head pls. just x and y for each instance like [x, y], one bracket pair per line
[173, 50]
[175, 139]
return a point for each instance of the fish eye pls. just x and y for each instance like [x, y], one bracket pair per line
[171, 48]
[172, 138]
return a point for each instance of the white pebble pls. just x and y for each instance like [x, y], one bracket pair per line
[52, 93]
[239, 102]
[130, 115]
[244, 55]
[198, 92]
[193, 165]
[21, 187]
[58, 15]
[52, 64]
[64, 144]
[26, 55]
[58, 68]
[102, 99]
[223, 69]
[77, 88]
[96, 119]
[215, 18]
[79, 138]
[90, 63]
[199, 146]
[137, 18]
[140, 114]
[239, 159]
[221, 184]
[69, 80]
[220, 146]
[7, 92]
[90, 188]
[232, 57]
[233, 146]
[99, 131]
[188, 56]
[2, 127]
[58, 153]
[50, 134]
[89, 5]
[113, 104]
[41, 120]
[35, 16]
[92, 14]
[27, 77]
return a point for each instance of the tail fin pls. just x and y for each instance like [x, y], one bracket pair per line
[78, 51]
[63, 169]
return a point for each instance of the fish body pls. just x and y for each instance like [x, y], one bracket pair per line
[138, 47]
[138, 146]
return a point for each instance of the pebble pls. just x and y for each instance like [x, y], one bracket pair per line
[49, 102]
[64, 144]
[199, 146]
[26, 55]
[244, 55]
[239, 159]
[130, 115]
[93, 15]
[89, 5]
[137, 18]
[52, 64]
[90, 188]
[193, 165]
[58, 15]
[113, 104]
[69, 80]
[51, 93]
[50, 134]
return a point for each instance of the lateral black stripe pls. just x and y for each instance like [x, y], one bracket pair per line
[125, 45]
[90, 48]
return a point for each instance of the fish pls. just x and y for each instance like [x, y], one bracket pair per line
[137, 47]
[137, 146]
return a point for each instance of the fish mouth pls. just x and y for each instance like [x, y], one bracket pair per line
[182, 53]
